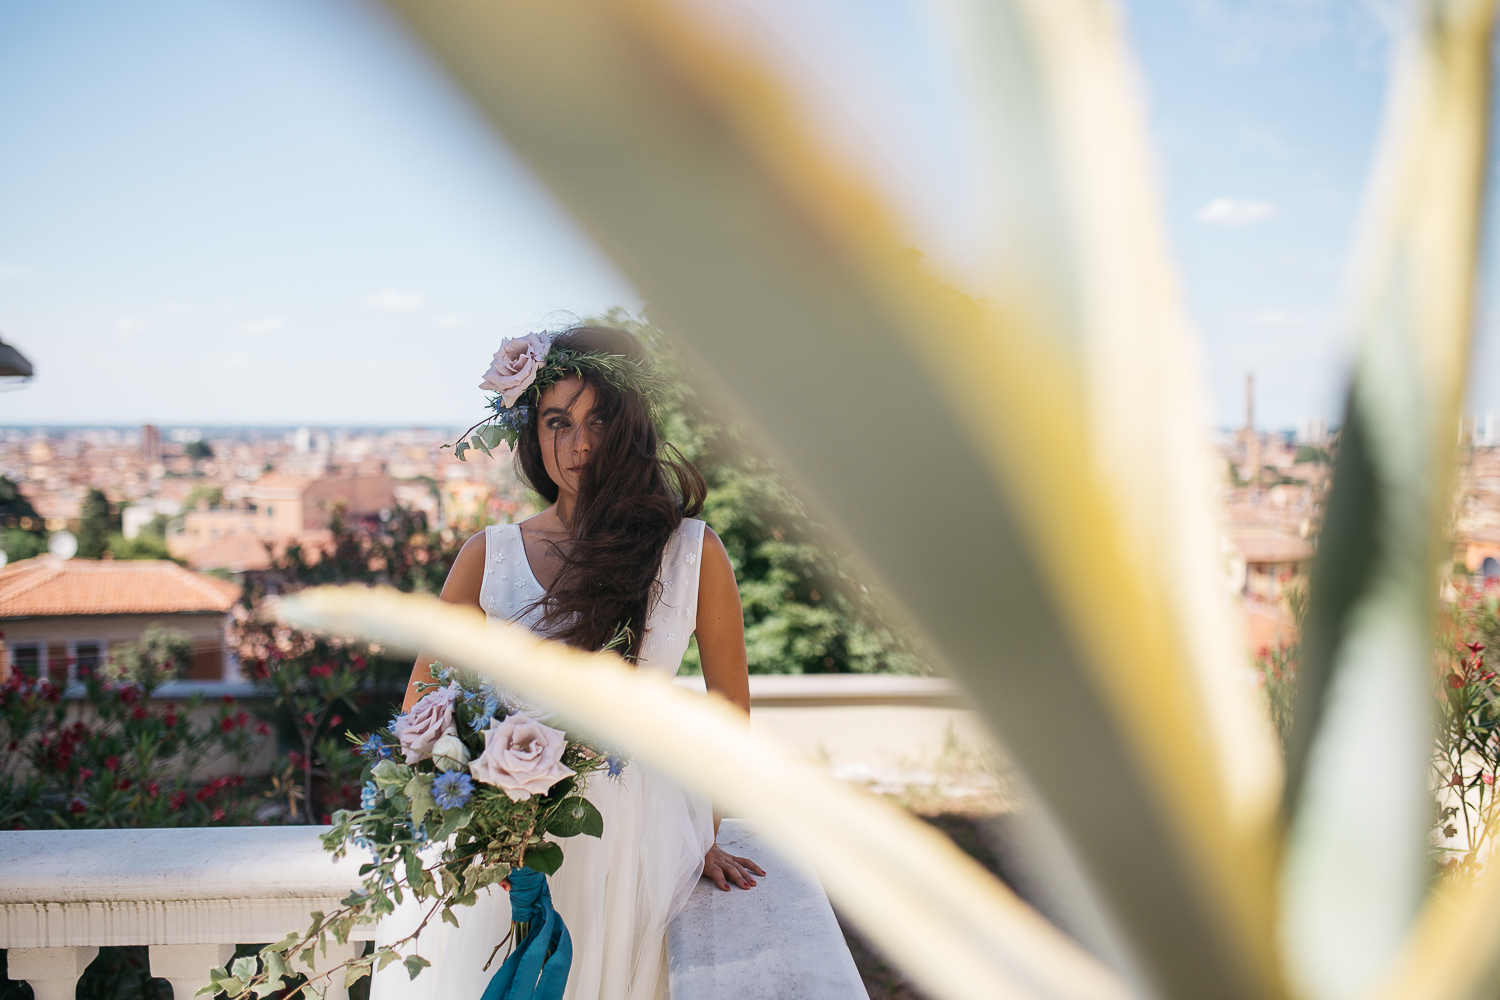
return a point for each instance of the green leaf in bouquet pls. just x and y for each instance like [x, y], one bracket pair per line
[448, 916]
[276, 966]
[453, 821]
[267, 988]
[216, 975]
[415, 964]
[458, 453]
[545, 858]
[413, 869]
[478, 442]
[354, 898]
[283, 945]
[244, 968]
[232, 986]
[391, 776]
[385, 957]
[355, 973]
[575, 816]
[419, 790]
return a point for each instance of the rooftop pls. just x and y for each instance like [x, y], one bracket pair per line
[45, 586]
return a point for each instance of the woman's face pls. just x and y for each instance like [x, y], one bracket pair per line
[568, 431]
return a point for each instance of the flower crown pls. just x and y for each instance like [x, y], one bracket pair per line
[524, 366]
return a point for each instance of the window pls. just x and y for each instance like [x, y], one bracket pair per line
[27, 657]
[85, 655]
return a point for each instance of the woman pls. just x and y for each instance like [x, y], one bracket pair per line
[618, 558]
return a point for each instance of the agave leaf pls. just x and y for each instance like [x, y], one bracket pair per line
[752, 241]
[1358, 758]
[959, 931]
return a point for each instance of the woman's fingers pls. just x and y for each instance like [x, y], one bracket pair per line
[749, 865]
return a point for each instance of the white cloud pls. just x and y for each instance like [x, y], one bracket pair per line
[391, 299]
[451, 319]
[176, 308]
[256, 327]
[1236, 211]
[129, 324]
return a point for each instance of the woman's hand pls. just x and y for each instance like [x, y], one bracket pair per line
[724, 868]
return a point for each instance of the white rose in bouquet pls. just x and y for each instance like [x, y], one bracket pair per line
[449, 754]
[522, 757]
[428, 721]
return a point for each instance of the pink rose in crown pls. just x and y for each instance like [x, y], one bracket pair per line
[515, 366]
[428, 721]
[521, 757]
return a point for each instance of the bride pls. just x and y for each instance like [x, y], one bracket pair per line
[619, 546]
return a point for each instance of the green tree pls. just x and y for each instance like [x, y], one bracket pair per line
[149, 543]
[20, 544]
[97, 520]
[198, 451]
[14, 507]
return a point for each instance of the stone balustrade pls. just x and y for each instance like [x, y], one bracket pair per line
[191, 895]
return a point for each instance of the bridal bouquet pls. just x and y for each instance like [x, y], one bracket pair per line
[458, 795]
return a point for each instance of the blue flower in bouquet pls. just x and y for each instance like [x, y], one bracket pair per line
[486, 713]
[452, 790]
[374, 748]
[369, 796]
[615, 765]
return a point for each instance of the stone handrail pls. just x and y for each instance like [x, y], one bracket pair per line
[192, 894]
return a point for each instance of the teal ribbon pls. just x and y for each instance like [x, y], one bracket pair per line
[538, 967]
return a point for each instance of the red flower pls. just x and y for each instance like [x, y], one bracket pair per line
[123, 784]
[111, 763]
[321, 670]
[153, 789]
[1475, 647]
[228, 699]
[1455, 681]
[335, 720]
[261, 729]
[294, 757]
[178, 800]
[226, 724]
[138, 713]
[308, 720]
[327, 819]
[359, 662]
[218, 815]
[129, 695]
[84, 774]
[170, 719]
[205, 793]
[76, 806]
[241, 719]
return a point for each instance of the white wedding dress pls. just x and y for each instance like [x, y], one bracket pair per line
[616, 893]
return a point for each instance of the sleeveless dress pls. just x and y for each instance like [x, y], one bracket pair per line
[616, 893]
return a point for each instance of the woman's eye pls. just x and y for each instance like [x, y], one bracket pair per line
[557, 423]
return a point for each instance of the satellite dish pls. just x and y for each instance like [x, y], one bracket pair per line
[62, 545]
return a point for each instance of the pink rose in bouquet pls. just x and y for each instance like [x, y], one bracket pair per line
[515, 366]
[428, 721]
[522, 757]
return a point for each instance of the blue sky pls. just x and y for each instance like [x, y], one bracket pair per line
[276, 211]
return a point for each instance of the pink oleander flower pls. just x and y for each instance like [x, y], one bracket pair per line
[515, 366]
[428, 721]
[522, 757]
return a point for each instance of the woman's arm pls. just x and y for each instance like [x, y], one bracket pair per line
[461, 587]
[721, 647]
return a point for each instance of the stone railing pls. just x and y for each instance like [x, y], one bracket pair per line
[191, 895]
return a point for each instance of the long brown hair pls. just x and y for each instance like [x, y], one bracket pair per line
[632, 495]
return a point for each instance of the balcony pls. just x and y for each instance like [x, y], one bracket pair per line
[192, 895]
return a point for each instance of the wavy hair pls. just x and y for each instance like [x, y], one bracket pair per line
[632, 495]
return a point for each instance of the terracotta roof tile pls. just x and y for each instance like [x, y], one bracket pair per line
[48, 586]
